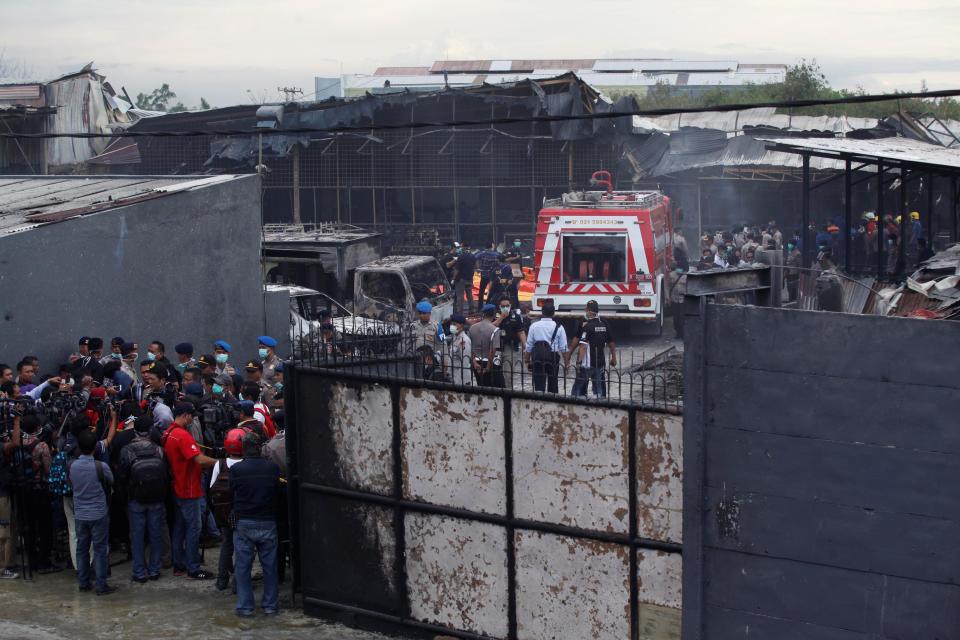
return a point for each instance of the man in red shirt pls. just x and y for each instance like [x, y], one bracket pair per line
[186, 465]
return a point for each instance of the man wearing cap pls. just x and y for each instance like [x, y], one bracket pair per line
[255, 374]
[207, 364]
[486, 343]
[545, 361]
[591, 360]
[89, 363]
[186, 465]
[83, 349]
[221, 353]
[422, 331]
[460, 351]
[154, 393]
[268, 357]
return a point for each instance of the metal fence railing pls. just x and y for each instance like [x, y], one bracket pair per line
[390, 351]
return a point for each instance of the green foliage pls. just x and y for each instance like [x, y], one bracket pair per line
[804, 81]
[157, 100]
[160, 99]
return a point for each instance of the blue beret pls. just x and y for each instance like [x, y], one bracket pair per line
[193, 389]
[424, 307]
[223, 344]
[247, 404]
[267, 341]
[184, 348]
[458, 318]
[489, 308]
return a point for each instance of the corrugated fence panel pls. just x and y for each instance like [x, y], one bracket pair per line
[659, 476]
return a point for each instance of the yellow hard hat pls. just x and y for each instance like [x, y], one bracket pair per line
[914, 215]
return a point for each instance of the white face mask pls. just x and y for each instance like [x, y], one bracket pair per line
[456, 328]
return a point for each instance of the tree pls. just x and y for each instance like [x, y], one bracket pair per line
[13, 68]
[157, 100]
[204, 104]
[177, 108]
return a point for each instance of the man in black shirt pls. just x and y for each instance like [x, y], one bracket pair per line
[591, 361]
[463, 268]
[255, 482]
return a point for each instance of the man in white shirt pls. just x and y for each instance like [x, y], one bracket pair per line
[546, 341]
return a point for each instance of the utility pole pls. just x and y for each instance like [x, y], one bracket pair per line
[290, 93]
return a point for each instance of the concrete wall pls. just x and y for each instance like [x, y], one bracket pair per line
[821, 461]
[460, 450]
[181, 267]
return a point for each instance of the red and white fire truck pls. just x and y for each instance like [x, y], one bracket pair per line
[614, 247]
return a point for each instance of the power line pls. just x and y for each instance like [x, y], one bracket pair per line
[607, 115]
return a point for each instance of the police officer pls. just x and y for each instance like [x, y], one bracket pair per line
[511, 323]
[505, 284]
[268, 357]
[595, 337]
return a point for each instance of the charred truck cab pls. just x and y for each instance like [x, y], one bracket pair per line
[388, 289]
[610, 246]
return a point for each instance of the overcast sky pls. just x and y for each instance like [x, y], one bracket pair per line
[220, 49]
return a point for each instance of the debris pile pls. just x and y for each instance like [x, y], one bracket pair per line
[932, 292]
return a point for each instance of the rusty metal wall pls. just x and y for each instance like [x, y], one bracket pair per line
[478, 513]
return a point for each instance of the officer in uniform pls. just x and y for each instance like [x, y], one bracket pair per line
[595, 337]
[268, 358]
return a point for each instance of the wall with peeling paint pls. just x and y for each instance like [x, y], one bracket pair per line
[411, 488]
[822, 458]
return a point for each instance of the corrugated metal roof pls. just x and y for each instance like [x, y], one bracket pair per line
[734, 121]
[12, 92]
[27, 202]
[461, 66]
[401, 71]
[895, 150]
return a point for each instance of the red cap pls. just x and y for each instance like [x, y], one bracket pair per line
[233, 443]
[98, 393]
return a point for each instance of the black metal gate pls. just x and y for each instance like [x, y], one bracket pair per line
[482, 513]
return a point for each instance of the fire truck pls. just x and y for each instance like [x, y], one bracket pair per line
[614, 247]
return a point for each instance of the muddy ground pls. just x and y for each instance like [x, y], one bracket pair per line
[51, 608]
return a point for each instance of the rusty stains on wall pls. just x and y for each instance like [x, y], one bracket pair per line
[659, 476]
[457, 573]
[453, 453]
[570, 465]
[361, 419]
[571, 588]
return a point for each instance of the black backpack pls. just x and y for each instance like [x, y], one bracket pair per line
[148, 477]
[542, 352]
[220, 495]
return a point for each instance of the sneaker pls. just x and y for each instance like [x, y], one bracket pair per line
[201, 575]
[270, 612]
[85, 587]
[244, 614]
[154, 577]
[142, 580]
[7, 574]
[105, 592]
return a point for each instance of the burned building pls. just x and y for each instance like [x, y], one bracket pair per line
[476, 183]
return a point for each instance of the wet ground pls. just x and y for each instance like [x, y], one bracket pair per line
[51, 608]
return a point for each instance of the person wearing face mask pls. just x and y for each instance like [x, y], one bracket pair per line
[128, 359]
[268, 358]
[89, 364]
[460, 350]
[185, 358]
[114, 355]
[221, 352]
[511, 324]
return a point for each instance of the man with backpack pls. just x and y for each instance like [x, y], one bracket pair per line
[143, 468]
[546, 341]
[92, 481]
[221, 502]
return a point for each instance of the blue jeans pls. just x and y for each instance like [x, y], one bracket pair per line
[145, 520]
[260, 537]
[586, 375]
[97, 532]
[185, 541]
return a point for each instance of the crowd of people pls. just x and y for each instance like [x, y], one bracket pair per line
[506, 336]
[500, 272]
[154, 458]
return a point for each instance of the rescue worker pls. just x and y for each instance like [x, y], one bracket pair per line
[591, 358]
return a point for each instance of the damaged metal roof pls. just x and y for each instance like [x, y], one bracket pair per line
[27, 202]
[892, 151]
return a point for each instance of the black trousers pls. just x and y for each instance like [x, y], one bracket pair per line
[481, 294]
[37, 521]
[545, 375]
